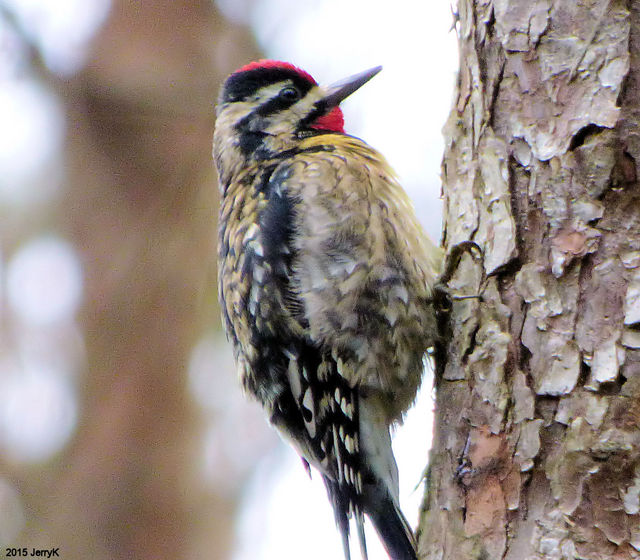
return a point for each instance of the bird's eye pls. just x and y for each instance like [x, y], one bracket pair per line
[290, 94]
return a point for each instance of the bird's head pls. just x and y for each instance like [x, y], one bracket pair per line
[268, 106]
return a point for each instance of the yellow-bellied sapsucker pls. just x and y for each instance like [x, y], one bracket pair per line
[325, 283]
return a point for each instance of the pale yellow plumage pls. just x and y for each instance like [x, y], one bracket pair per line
[364, 268]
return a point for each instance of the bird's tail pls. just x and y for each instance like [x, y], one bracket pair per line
[366, 476]
[380, 492]
[391, 525]
[340, 504]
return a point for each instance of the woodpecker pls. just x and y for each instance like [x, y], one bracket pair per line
[326, 285]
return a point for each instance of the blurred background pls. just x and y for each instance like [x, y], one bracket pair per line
[123, 433]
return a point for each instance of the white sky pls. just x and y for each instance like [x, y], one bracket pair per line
[61, 28]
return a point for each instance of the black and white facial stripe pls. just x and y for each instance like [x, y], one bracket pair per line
[244, 85]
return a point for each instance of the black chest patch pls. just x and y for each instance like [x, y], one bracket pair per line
[267, 272]
[276, 225]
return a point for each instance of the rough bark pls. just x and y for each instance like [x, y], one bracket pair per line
[537, 439]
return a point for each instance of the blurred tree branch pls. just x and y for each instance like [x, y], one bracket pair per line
[140, 208]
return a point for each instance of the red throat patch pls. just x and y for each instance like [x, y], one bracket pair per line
[333, 120]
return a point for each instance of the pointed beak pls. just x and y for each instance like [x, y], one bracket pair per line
[338, 92]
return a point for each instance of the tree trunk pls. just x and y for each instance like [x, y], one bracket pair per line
[537, 432]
